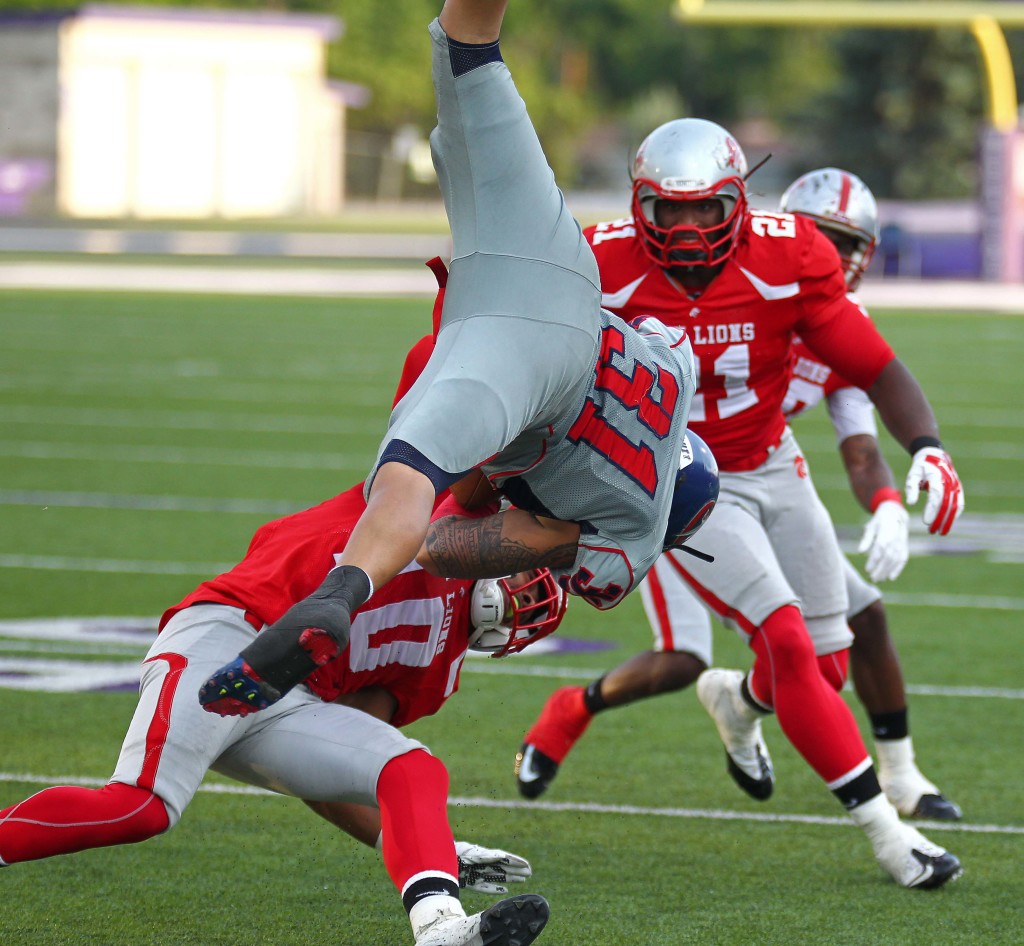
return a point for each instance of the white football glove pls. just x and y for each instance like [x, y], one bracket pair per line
[932, 470]
[886, 541]
[488, 870]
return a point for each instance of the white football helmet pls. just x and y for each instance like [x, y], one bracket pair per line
[689, 159]
[509, 614]
[844, 209]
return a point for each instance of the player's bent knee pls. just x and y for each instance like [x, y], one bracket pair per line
[145, 814]
[834, 668]
[788, 638]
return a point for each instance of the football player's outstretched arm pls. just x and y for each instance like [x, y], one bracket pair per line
[498, 545]
[885, 538]
[908, 416]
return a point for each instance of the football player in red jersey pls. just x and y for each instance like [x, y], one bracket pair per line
[334, 743]
[746, 283]
[845, 210]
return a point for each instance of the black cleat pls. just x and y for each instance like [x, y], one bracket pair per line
[937, 808]
[944, 869]
[759, 788]
[514, 922]
[534, 771]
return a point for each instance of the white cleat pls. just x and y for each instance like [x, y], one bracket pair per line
[913, 861]
[516, 921]
[739, 727]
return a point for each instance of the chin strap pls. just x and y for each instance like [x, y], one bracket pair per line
[696, 553]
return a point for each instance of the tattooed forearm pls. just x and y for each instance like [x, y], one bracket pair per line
[497, 545]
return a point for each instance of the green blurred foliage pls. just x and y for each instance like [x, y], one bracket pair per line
[902, 108]
[921, 95]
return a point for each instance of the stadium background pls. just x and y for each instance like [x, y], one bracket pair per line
[165, 388]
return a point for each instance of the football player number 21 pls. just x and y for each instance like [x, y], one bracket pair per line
[634, 391]
[732, 368]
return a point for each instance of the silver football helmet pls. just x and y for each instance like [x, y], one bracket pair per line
[689, 159]
[509, 614]
[844, 209]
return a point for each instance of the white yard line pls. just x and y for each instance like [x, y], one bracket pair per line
[695, 814]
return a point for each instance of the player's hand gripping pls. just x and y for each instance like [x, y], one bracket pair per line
[886, 541]
[931, 469]
[488, 870]
[308, 635]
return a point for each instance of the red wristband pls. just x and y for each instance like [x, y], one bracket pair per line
[884, 495]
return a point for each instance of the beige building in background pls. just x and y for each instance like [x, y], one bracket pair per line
[113, 112]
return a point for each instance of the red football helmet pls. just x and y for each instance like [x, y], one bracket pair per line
[510, 614]
[689, 159]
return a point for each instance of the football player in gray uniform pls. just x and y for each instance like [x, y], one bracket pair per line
[576, 416]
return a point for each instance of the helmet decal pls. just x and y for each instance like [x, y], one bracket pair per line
[844, 209]
[696, 491]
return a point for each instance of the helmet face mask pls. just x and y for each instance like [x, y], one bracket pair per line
[689, 160]
[510, 614]
[844, 209]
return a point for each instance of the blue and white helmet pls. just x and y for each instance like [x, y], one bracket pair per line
[696, 491]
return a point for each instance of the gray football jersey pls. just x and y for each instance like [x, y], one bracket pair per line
[611, 466]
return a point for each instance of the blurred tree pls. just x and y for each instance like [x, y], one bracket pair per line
[903, 108]
[905, 112]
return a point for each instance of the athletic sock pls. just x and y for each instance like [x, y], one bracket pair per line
[412, 792]
[593, 701]
[465, 57]
[563, 720]
[857, 786]
[887, 726]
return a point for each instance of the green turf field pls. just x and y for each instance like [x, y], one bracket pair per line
[144, 437]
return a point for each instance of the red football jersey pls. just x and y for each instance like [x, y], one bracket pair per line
[410, 637]
[811, 383]
[782, 280]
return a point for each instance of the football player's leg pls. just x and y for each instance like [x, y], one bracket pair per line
[66, 818]
[682, 650]
[419, 853]
[821, 727]
[499, 191]
[811, 713]
[878, 680]
[166, 751]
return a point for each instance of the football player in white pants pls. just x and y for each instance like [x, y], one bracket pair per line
[845, 211]
[333, 743]
[746, 284]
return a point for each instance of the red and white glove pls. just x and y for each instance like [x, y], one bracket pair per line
[885, 537]
[931, 469]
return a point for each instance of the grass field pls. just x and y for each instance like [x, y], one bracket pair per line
[144, 438]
